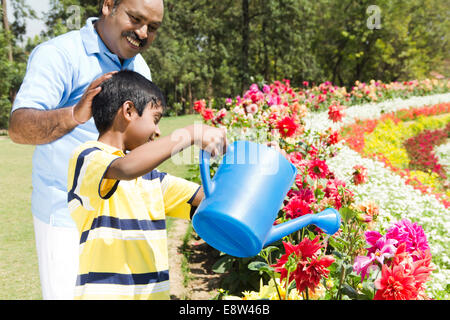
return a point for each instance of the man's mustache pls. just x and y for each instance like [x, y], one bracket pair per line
[134, 36]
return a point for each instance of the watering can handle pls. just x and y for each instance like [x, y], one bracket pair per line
[205, 173]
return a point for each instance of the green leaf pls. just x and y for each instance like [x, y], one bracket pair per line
[257, 265]
[346, 213]
[223, 264]
[349, 291]
[261, 267]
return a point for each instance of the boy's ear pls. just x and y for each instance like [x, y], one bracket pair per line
[128, 110]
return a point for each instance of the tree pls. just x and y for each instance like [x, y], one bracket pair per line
[12, 57]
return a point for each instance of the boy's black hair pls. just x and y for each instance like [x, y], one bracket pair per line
[124, 86]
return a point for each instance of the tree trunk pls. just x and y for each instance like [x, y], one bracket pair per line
[191, 102]
[245, 44]
[6, 28]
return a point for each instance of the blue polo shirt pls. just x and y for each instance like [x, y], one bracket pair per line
[58, 73]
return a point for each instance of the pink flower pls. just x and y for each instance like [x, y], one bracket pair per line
[363, 265]
[411, 234]
[381, 249]
[252, 108]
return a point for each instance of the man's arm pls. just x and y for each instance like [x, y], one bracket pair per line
[33, 126]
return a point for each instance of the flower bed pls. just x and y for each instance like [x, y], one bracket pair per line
[389, 138]
[308, 264]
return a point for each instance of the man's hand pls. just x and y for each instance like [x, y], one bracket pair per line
[82, 111]
[33, 126]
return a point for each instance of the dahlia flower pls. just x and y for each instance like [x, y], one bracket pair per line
[310, 267]
[318, 169]
[411, 234]
[296, 207]
[287, 127]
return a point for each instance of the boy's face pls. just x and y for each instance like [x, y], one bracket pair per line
[143, 129]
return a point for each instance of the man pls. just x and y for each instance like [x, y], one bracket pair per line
[52, 111]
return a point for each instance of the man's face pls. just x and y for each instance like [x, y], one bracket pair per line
[131, 27]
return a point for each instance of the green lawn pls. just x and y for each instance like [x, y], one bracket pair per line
[19, 275]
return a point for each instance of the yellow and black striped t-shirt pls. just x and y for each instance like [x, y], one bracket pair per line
[122, 226]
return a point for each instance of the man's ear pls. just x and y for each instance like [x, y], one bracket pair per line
[128, 110]
[107, 7]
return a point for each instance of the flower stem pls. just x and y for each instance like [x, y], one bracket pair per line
[276, 286]
[287, 286]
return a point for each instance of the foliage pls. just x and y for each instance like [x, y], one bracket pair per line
[12, 57]
[215, 49]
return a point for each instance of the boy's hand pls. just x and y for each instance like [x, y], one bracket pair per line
[276, 146]
[82, 111]
[211, 139]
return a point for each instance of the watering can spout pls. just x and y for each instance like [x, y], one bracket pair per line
[328, 220]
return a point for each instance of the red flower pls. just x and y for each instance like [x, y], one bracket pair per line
[332, 191]
[295, 158]
[359, 174]
[207, 114]
[333, 138]
[403, 279]
[336, 112]
[312, 151]
[318, 169]
[287, 127]
[199, 105]
[395, 284]
[310, 269]
[296, 207]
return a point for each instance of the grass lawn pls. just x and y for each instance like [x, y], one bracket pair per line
[19, 275]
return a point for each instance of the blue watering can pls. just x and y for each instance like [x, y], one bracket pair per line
[243, 199]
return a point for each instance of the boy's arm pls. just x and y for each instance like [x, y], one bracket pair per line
[150, 155]
[198, 198]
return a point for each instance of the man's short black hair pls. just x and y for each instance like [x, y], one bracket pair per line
[124, 86]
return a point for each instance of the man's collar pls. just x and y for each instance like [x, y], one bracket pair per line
[91, 39]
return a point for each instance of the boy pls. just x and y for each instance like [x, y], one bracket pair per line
[119, 201]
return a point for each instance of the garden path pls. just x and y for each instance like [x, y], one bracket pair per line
[203, 282]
